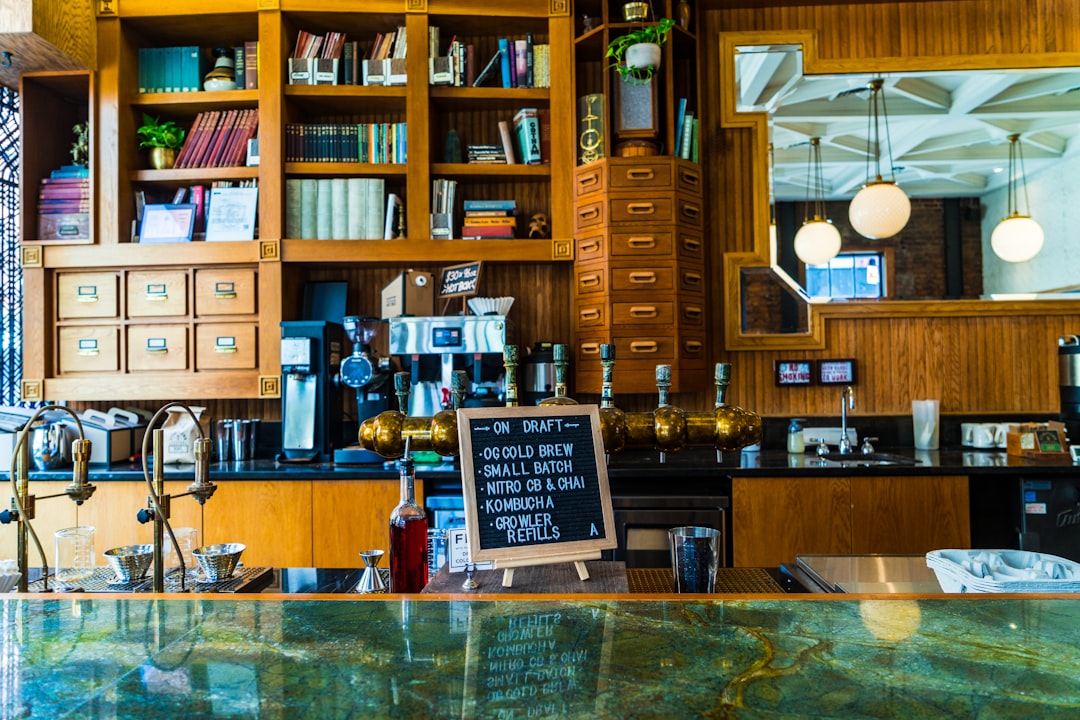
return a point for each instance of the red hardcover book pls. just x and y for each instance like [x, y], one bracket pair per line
[198, 199]
[487, 231]
[66, 206]
[54, 192]
[200, 151]
[236, 151]
[228, 137]
[545, 136]
[209, 158]
[66, 181]
[196, 136]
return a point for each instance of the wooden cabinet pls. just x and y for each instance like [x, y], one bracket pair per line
[272, 518]
[353, 515]
[775, 519]
[276, 265]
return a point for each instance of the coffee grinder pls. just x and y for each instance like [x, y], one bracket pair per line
[311, 398]
[371, 377]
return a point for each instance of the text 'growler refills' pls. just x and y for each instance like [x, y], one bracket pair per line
[408, 535]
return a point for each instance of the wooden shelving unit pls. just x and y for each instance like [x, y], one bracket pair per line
[281, 265]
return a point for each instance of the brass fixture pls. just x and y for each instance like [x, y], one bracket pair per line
[159, 502]
[612, 419]
[23, 504]
[561, 356]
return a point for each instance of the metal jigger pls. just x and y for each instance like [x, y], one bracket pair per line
[371, 581]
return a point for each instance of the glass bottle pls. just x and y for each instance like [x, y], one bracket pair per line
[408, 535]
[795, 441]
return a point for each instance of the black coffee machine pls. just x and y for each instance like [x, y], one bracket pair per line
[1069, 384]
[311, 398]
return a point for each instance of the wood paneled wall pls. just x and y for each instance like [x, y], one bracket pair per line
[980, 364]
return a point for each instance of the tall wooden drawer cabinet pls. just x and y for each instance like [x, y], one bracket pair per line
[639, 275]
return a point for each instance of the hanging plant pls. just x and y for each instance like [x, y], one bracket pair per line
[637, 64]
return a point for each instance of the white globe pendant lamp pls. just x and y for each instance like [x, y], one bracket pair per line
[817, 241]
[881, 209]
[1017, 238]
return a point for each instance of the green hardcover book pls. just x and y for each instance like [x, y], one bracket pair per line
[694, 139]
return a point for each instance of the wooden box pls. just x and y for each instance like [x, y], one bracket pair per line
[1037, 440]
[64, 226]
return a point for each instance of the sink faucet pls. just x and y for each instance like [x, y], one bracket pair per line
[847, 402]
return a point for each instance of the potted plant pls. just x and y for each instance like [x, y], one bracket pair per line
[163, 138]
[636, 54]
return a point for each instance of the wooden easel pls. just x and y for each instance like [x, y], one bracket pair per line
[578, 559]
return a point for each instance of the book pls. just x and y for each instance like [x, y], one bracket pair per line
[686, 136]
[394, 211]
[339, 209]
[470, 66]
[308, 203]
[507, 142]
[238, 66]
[490, 205]
[251, 65]
[520, 64]
[356, 197]
[231, 213]
[323, 209]
[506, 63]
[488, 71]
[544, 116]
[527, 135]
[477, 232]
[680, 117]
[198, 199]
[374, 209]
[480, 220]
[694, 139]
[530, 63]
[541, 65]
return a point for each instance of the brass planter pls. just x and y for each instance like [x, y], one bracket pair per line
[162, 158]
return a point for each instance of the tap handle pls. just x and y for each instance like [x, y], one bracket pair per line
[722, 378]
[8, 516]
[401, 389]
[663, 382]
[145, 515]
[459, 385]
[867, 448]
[822, 446]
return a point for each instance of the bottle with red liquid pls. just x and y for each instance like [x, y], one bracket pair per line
[408, 535]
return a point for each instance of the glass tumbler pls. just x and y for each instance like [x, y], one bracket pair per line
[74, 554]
[188, 539]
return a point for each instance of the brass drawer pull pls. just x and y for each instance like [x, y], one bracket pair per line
[692, 278]
[589, 214]
[692, 311]
[693, 346]
[640, 208]
[691, 244]
[693, 212]
[643, 311]
[86, 293]
[592, 280]
[590, 348]
[157, 346]
[640, 174]
[689, 177]
[590, 314]
[643, 277]
[641, 243]
[88, 347]
[225, 290]
[225, 344]
[590, 246]
[586, 181]
[644, 346]
[156, 292]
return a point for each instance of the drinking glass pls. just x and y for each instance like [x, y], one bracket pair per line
[74, 554]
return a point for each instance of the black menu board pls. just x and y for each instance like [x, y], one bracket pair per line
[461, 279]
[535, 482]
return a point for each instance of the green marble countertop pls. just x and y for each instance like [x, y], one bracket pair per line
[601, 657]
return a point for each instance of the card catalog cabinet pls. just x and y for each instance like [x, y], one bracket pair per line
[639, 274]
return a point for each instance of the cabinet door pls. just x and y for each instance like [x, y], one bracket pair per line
[352, 515]
[775, 519]
[271, 517]
[902, 515]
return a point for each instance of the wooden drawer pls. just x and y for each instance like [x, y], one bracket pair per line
[225, 346]
[157, 293]
[688, 178]
[642, 209]
[691, 280]
[689, 211]
[591, 248]
[692, 350]
[229, 291]
[591, 280]
[87, 295]
[589, 179]
[89, 349]
[691, 313]
[648, 347]
[592, 315]
[643, 279]
[648, 312]
[643, 242]
[641, 174]
[690, 245]
[157, 347]
[589, 215]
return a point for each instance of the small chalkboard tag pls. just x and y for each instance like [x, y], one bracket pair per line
[535, 486]
[460, 280]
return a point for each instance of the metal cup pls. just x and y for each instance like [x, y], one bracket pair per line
[695, 557]
[223, 439]
[243, 439]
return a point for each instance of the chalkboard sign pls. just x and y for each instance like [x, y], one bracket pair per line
[535, 483]
[460, 280]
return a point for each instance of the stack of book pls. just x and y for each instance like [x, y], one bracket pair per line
[341, 209]
[385, 63]
[442, 208]
[487, 154]
[218, 138]
[64, 204]
[489, 220]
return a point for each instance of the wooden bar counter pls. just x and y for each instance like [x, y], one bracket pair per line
[602, 656]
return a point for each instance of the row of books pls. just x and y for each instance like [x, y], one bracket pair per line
[331, 142]
[218, 138]
[181, 69]
[458, 68]
[443, 194]
[686, 132]
[310, 45]
[342, 209]
[64, 201]
[489, 220]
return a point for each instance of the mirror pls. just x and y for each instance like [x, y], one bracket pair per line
[948, 130]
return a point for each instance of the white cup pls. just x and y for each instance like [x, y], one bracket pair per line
[924, 416]
[984, 435]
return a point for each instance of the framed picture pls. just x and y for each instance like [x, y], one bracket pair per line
[836, 372]
[793, 372]
[167, 223]
[1049, 441]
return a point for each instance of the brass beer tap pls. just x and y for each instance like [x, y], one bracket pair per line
[721, 378]
[510, 361]
[561, 355]
[612, 419]
[669, 422]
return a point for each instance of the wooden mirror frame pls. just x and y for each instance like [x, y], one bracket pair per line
[762, 252]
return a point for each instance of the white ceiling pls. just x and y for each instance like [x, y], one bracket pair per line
[949, 130]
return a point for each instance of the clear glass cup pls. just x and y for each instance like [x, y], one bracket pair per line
[74, 554]
[188, 539]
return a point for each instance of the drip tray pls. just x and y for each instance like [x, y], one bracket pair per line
[244, 580]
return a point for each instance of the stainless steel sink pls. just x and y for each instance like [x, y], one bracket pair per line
[860, 460]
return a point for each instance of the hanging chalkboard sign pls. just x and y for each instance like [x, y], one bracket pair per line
[535, 485]
[460, 280]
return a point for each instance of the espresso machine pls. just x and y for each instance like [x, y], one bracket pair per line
[370, 376]
[430, 349]
[311, 398]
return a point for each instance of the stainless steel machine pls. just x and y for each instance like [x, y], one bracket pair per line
[430, 349]
[311, 398]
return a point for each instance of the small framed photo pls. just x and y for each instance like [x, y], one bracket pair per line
[1049, 441]
[836, 372]
[167, 223]
[793, 372]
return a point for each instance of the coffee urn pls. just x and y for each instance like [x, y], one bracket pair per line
[1069, 384]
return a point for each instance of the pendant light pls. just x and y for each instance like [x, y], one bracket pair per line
[817, 241]
[1017, 238]
[881, 209]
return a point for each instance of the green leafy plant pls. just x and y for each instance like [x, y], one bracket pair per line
[656, 33]
[80, 149]
[158, 134]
